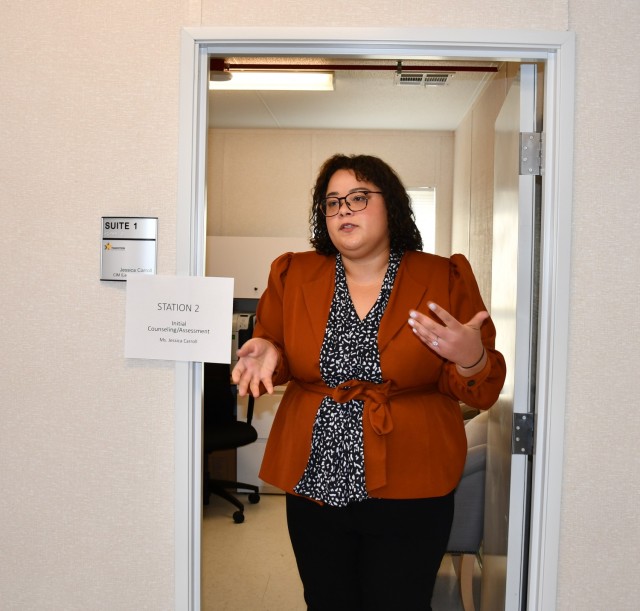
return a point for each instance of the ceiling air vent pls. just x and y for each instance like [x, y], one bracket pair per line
[422, 79]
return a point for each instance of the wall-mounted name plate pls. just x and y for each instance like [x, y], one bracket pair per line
[129, 246]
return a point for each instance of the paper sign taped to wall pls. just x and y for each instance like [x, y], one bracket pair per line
[179, 318]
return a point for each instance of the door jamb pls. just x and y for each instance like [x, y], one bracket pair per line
[557, 49]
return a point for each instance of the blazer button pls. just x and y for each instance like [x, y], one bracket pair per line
[471, 383]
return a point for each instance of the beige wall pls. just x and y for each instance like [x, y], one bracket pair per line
[283, 165]
[601, 491]
[473, 179]
[89, 98]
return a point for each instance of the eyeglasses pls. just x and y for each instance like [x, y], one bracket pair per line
[355, 201]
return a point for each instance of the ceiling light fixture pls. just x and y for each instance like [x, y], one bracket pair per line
[267, 78]
[271, 80]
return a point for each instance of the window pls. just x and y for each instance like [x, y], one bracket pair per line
[423, 202]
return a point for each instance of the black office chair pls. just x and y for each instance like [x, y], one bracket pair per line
[222, 431]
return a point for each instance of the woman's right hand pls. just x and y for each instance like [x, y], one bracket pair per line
[257, 360]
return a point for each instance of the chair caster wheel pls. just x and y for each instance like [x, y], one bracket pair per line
[254, 498]
[238, 517]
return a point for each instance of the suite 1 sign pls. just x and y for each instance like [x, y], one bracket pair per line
[129, 246]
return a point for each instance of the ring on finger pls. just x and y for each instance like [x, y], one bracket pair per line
[435, 342]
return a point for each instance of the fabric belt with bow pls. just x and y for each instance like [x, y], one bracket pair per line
[376, 418]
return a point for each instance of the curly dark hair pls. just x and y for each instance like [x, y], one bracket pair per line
[403, 233]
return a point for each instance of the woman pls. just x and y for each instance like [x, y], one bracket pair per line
[378, 343]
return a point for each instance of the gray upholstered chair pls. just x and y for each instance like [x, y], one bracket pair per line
[468, 519]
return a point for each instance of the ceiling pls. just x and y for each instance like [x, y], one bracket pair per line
[362, 99]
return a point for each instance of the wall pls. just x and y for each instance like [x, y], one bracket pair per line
[283, 165]
[88, 127]
[601, 490]
[473, 179]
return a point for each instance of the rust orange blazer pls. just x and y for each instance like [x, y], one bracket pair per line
[414, 440]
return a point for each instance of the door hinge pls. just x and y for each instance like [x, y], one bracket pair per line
[531, 162]
[522, 434]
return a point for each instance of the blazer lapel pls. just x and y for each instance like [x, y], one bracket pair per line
[406, 295]
[317, 294]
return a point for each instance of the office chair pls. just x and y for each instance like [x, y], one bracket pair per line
[467, 529]
[222, 431]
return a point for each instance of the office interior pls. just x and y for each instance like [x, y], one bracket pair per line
[90, 127]
[251, 222]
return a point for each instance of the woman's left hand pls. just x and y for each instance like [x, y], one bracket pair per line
[460, 343]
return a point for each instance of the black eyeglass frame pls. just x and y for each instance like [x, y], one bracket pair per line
[322, 204]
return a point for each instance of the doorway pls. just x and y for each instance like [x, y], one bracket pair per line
[556, 49]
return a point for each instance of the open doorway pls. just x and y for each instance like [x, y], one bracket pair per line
[263, 150]
[191, 231]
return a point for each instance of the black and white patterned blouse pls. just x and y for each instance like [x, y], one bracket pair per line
[335, 471]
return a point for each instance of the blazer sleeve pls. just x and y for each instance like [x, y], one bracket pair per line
[269, 314]
[482, 389]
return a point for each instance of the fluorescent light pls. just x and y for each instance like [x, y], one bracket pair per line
[269, 80]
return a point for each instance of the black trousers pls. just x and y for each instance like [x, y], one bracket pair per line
[374, 555]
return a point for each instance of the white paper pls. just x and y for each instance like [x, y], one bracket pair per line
[179, 318]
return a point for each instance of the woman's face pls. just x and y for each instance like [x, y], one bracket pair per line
[365, 232]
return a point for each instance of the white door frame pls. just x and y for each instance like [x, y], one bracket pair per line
[557, 49]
